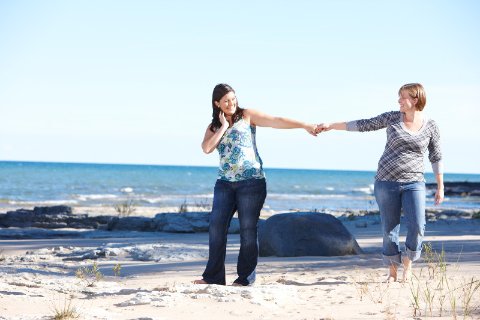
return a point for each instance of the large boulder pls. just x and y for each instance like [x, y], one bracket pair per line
[305, 234]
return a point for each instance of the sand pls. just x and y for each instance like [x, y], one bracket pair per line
[38, 279]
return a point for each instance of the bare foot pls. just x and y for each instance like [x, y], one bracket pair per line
[392, 274]
[407, 269]
[201, 281]
[237, 284]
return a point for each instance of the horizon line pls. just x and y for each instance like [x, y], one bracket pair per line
[202, 166]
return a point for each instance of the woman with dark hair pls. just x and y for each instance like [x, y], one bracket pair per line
[240, 185]
[400, 182]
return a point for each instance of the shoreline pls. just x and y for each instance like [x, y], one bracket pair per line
[150, 211]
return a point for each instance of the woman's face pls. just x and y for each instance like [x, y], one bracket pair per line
[228, 103]
[406, 102]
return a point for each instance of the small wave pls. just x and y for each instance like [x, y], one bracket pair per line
[305, 196]
[174, 197]
[127, 190]
[45, 202]
[154, 200]
[209, 195]
[329, 188]
[87, 197]
[367, 190]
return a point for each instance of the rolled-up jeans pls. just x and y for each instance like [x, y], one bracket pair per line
[391, 198]
[246, 197]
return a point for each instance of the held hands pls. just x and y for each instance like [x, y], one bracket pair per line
[315, 129]
[323, 127]
[312, 129]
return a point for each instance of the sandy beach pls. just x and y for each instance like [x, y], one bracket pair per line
[153, 277]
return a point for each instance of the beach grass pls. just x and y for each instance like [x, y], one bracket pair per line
[437, 289]
[66, 311]
[89, 275]
[125, 209]
[438, 292]
[117, 269]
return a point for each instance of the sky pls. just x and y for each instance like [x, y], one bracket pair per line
[131, 81]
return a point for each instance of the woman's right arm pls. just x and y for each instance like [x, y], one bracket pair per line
[212, 139]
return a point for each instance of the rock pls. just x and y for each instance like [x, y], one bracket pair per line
[188, 222]
[431, 216]
[452, 213]
[305, 234]
[59, 217]
[475, 193]
[460, 188]
[182, 222]
[112, 252]
[20, 218]
[131, 224]
[361, 224]
[48, 218]
[50, 225]
[54, 210]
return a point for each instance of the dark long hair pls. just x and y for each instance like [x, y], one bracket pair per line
[219, 91]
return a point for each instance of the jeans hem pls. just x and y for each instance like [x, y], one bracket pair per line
[214, 282]
[413, 255]
[389, 260]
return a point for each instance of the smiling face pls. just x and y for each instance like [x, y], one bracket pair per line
[406, 102]
[228, 104]
[412, 97]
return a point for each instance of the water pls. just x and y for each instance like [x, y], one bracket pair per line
[25, 184]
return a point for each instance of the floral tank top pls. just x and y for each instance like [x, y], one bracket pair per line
[239, 158]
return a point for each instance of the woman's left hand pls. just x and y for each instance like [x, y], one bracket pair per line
[439, 196]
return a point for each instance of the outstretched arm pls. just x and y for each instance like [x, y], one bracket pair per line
[363, 125]
[260, 119]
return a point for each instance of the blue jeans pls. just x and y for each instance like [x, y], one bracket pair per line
[246, 197]
[391, 198]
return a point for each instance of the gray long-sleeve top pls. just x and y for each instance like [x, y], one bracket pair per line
[402, 160]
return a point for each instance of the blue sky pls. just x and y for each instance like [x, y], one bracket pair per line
[131, 81]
